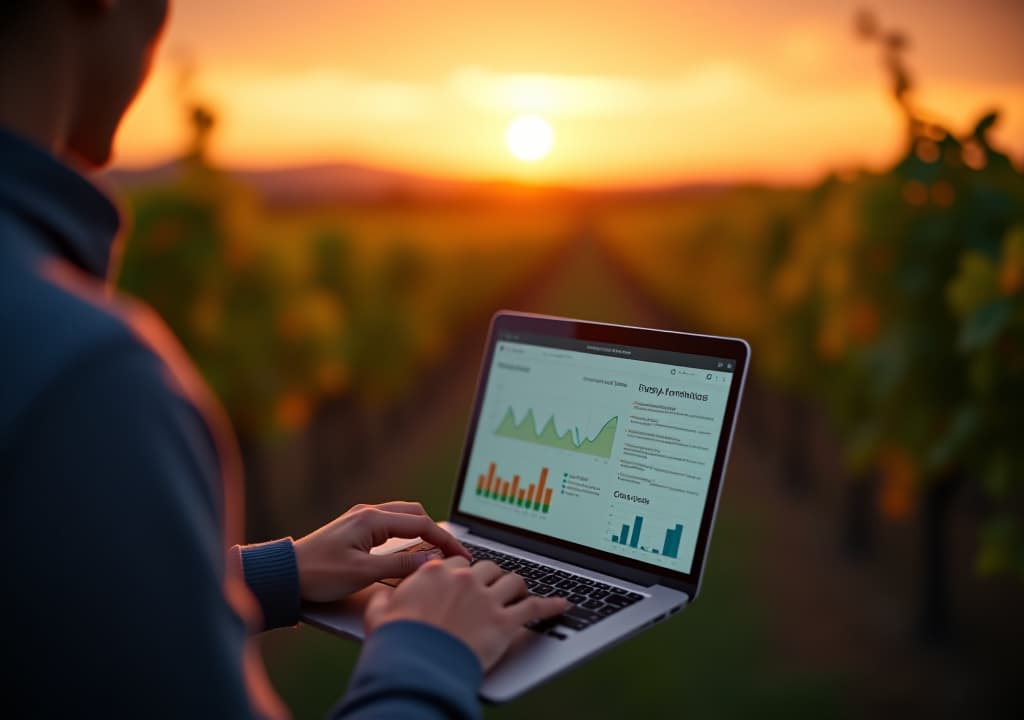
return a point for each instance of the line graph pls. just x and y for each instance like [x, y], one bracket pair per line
[572, 439]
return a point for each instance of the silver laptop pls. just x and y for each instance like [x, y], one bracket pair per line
[592, 467]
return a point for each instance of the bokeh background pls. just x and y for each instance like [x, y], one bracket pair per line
[323, 208]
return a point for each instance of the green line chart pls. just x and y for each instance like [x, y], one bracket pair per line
[600, 444]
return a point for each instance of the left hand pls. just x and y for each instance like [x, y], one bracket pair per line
[335, 561]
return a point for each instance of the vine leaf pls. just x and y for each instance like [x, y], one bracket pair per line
[985, 325]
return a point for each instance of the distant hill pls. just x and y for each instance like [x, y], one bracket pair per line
[309, 184]
[351, 183]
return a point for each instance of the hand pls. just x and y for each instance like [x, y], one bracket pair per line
[335, 561]
[481, 605]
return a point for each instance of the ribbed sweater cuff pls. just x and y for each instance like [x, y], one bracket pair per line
[272, 574]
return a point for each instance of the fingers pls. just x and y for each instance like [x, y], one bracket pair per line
[487, 572]
[396, 565]
[537, 608]
[401, 506]
[456, 561]
[373, 609]
[384, 524]
[443, 539]
[374, 606]
[508, 588]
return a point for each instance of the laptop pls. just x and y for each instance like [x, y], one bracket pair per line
[592, 467]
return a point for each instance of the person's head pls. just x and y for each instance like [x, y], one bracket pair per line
[92, 56]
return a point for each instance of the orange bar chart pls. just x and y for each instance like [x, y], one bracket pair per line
[536, 496]
[541, 494]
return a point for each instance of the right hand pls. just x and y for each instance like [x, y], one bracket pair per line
[335, 560]
[482, 605]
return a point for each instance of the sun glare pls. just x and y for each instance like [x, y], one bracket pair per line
[529, 138]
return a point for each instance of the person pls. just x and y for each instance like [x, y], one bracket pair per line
[121, 481]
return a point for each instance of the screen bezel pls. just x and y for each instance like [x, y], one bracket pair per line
[505, 323]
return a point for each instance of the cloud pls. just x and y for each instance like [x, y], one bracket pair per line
[331, 93]
[599, 95]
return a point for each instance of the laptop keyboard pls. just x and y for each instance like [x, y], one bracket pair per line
[592, 601]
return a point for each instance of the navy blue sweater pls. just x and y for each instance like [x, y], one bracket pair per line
[122, 595]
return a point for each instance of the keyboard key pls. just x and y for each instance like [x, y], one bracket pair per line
[542, 626]
[566, 585]
[592, 604]
[573, 623]
[576, 598]
[598, 593]
[580, 613]
[578, 618]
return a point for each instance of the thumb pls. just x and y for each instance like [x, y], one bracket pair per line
[398, 565]
[374, 609]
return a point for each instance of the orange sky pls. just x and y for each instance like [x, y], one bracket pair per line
[638, 92]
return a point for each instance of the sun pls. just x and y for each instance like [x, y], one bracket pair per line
[529, 138]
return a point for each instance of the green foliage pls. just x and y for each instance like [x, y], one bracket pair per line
[896, 299]
[257, 335]
[283, 310]
[915, 310]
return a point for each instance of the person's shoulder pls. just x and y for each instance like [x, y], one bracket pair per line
[57, 319]
[90, 356]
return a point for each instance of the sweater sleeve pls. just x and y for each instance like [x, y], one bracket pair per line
[272, 576]
[413, 671]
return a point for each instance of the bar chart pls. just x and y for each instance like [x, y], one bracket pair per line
[629, 535]
[535, 497]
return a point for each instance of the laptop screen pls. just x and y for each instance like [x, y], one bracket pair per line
[606, 446]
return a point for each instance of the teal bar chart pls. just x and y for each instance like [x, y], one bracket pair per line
[629, 535]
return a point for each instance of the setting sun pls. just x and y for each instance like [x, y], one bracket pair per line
[529, 138]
